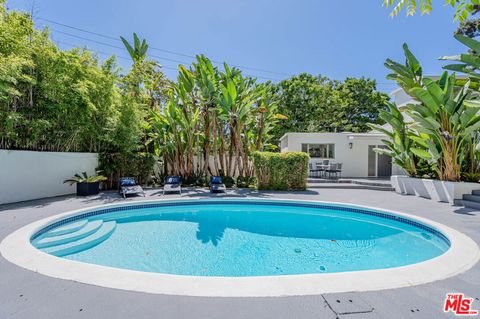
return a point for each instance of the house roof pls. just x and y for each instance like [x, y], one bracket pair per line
[365, 134]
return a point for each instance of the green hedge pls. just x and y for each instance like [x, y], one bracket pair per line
[281, 171]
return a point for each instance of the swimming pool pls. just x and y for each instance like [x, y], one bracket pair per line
[242, 238]
[240, 247]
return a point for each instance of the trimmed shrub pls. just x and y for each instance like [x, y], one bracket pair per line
[245, 181]
[228, 181]
[281, 171]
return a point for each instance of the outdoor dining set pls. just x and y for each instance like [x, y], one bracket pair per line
[325, 169]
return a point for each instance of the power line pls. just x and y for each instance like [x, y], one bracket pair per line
[161, 50]
[154, 48]
[110, 54]
[153, 56]
[116, 47]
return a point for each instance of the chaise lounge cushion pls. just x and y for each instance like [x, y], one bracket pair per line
[216, 180]
[127, 182]
[129, 186]
[173, 180]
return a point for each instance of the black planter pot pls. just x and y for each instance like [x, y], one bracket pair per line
[87, 189]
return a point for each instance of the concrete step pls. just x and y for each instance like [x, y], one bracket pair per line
[348, 186]
[324, 181]
[372, 183]
[85, 243]
[472, 198]
[349, 183]
[87, 230]
[471, 204]
[476, 192]
[68, 228]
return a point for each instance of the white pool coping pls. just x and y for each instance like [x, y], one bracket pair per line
[461, 256]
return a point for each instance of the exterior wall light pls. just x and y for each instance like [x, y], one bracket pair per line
[350, 145]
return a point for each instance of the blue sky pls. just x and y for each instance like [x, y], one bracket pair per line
[333, 38]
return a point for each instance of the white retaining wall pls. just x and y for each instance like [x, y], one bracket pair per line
[26, 175]
[440, 191]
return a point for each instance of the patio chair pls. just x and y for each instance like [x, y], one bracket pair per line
[339, 170]
[320, 169]
[313, 172]
[325, 165]
[172, 184]
[128, 186]
[332, 169]
[217, 185]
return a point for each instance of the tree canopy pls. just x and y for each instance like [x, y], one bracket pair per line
[318, 104]
[70, 101]
[463, 8]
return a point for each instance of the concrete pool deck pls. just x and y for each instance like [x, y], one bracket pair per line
[25, 294]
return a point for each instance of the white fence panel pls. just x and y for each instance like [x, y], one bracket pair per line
[26, 175]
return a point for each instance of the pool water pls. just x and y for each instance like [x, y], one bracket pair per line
[256, 239]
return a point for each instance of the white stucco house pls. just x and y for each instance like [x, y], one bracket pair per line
[354, 150]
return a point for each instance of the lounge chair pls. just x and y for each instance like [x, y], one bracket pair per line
[217, 185]
[172, 184]
[128, 186]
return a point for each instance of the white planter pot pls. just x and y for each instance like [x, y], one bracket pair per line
[440, 191]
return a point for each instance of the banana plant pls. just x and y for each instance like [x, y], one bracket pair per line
[189, 114]
[265, 115]
[236, 100]
[399, 143]
[444, 119]
[137, 51]
[444, 124]
[212, 112]
[207, 81]
[469, 63]
[407, 76]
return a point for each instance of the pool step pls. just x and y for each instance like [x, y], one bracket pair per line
[69, 228]
[92, 240]
[88, 229]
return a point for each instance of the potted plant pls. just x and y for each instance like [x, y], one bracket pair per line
[86, 185]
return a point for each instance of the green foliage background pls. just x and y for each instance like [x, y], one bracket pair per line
[69, 101]
[318, 104]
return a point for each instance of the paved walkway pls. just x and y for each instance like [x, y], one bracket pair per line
[25, 294]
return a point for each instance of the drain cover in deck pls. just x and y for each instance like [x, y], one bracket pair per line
[348, 303]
